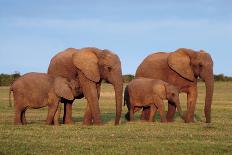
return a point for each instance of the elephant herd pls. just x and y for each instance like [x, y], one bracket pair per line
[77, 73]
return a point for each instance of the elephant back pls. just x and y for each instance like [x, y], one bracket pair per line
[61, 64]
[153, 66]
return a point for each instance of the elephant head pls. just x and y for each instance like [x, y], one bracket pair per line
[172, 95]
[98, 64]
[190, 65]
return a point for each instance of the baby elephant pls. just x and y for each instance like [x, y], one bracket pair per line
[37, 90]
[143, 92]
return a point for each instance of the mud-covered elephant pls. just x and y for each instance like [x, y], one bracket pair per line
[182, 69]
[89, 66]
[37, 90]
[143, 92]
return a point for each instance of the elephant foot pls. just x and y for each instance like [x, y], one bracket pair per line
[24, 122]
[17, 123]
[146, 119]
[56, 123]
[91, 123]
[169, 119]
[98, 124]
[87, 122]
[69, 122]
[164, 120]
[189, 120]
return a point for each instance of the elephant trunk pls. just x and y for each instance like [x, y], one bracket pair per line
[118, 88]
[209, 84]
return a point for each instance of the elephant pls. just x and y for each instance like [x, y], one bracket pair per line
[36, 90]
[89, 66]
[181, 68]
[142, 92]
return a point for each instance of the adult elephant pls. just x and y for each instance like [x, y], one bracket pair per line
[88, 67]
[181, 68]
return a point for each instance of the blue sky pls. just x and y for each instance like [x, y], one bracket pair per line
[31, 32]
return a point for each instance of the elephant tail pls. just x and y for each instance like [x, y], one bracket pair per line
[10, 90]
[126, 97]
[127, 103]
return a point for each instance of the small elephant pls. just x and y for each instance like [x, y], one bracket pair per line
[37, 90]
[144, 92]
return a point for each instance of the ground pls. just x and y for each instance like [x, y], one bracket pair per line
[127, 138]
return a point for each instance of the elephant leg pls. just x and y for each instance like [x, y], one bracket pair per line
[155, 113]
[152, 112]
[52, 108]
[98, 90]
[127, 116]
[57, 115]
[90, 93]
[88, 119]
[131, 113]
[88, 116]
[24, 121]
[67, 118]
[18, 115]
[191, 104]
[160, 105]
[162, 115]
[145, 113]
[171, 112]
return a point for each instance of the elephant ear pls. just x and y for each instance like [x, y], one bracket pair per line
[179, 61]
[62, 89]
[87, 61]
[159, 89]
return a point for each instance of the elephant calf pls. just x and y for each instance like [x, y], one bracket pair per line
[37, 90]
[143, 92]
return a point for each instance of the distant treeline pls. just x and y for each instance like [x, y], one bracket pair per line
[7, 79]
[222, 77]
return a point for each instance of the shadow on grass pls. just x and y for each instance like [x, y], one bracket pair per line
[157, 117]
[107, 118]
[110, 117]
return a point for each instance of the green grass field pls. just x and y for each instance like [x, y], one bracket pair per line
[128, 138]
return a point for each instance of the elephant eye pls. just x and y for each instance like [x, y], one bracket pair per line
[109, 69]
[173, 94]
[200, 65]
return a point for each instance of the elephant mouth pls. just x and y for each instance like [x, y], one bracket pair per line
[107, 81]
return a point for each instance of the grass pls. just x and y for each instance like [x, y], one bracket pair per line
[128, 138]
